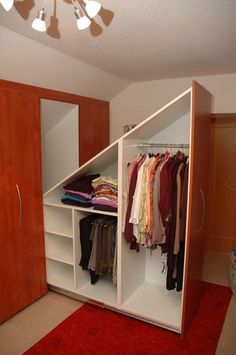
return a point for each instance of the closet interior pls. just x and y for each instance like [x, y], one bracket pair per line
[140, 289]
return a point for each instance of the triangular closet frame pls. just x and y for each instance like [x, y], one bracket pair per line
[140, 291]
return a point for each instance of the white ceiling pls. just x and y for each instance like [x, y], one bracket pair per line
[145, 40]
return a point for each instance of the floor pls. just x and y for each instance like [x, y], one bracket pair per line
[27, 327]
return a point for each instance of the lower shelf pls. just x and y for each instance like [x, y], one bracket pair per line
[60, 274]
[156, 304]
[103, 291]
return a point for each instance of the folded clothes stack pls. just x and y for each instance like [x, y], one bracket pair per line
[79, 192]
[105, 196]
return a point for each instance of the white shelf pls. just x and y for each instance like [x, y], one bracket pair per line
[58, 220]
[60, 275]
[103, 291]
[59, 248]
[156, 304]
[54, 202]
[58, 234]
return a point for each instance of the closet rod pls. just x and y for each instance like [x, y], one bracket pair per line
[160, 145]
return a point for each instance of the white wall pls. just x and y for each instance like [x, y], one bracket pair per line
[60, 155]
[26, 61]
[139, 100]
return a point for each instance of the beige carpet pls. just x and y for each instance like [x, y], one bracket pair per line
[27, 327]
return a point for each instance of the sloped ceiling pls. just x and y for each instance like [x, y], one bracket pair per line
[140, 40]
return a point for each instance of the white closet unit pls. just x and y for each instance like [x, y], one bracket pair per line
[141, 287]
[62, 222]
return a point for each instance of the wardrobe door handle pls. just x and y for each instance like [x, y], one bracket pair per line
[20, 204]
[204, 210]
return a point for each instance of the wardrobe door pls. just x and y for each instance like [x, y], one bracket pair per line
[22, 265]
[198, 176]
[93, 128]
[221, 226]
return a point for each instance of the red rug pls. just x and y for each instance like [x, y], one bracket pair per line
[93, 330]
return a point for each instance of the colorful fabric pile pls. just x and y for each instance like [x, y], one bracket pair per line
[80, 191]
[105, 196]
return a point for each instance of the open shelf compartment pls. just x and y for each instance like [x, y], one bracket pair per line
[58, 220]
[60, 275]
[59, 248]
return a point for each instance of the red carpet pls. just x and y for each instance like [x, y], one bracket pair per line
[92, 330]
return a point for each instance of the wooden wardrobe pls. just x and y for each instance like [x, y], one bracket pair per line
[140, 290]
[22, 250]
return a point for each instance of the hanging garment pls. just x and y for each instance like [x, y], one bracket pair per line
[86, 225]
[128, 232]
[156, 209]
[98, 246]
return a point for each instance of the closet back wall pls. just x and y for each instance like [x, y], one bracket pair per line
[140, 100]
[60, 141]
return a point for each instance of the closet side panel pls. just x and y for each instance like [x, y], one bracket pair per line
[198, 176]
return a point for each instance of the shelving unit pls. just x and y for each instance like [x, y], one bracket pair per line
[58, 220]
[140, 289]
[59, 248]
[60, 275]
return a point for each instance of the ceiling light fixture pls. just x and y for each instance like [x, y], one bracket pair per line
[39, 23]
[7, 4]
[92, 7]
[85, 10]
[82, 20]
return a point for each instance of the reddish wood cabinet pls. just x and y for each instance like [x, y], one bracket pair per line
[22, 261]
[22, 258]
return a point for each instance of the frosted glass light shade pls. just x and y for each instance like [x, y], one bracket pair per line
[39, 23]
[7, 4]
[83, 22]
[92, 8]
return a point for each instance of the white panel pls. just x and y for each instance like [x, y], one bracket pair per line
[155, 271]
[177, 132]
[162, 118]
[99, 163]
[52, 112]
[60, 145]
[111, 170]
[156, 304]
[103, 291]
